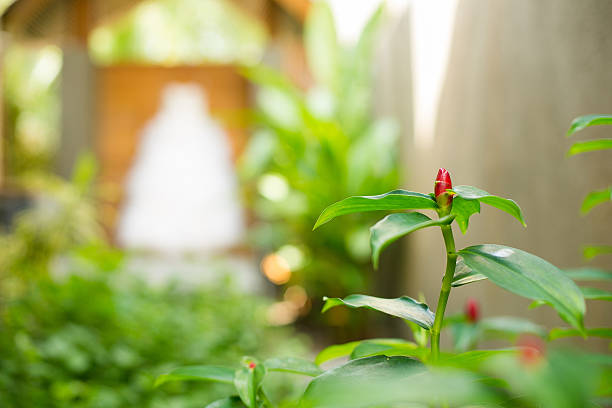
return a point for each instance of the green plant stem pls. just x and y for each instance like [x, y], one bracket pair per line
[451, 262]
[266, 401]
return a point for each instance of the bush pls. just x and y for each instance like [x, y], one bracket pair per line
[99, 338]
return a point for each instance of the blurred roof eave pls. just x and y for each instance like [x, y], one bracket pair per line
[66, 19]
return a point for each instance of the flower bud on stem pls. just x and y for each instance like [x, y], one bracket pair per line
[444, 200]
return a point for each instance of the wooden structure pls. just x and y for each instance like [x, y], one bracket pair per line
[105, 108]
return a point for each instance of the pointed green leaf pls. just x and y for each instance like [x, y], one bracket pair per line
[589, 146]
[464, 274]
[591, 251]
[595, 198]
[504, 204]
[588, 274]
[393, 200]
[582, 122]
[229, 402]
[510, 325]
[387, 347]
[403, 307]
[197, 373]
[596, 294]
[336, 351]
[561, 332]
[382, 381]
[293, 365]
[528, 275]
[247, 380]
[356, 383]
[394, 226]
[463, 210]
[321, 45]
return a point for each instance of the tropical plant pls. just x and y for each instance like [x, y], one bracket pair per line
[594, 198]
[299, 136]
[402, 373]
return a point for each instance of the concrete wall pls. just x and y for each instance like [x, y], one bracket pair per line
[519, 71]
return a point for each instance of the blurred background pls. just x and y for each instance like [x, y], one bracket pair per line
[163, 162]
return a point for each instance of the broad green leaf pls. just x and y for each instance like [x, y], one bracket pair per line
[591, 251]
[471, 359]
[582, 122]
[382, 381]
[351, 385]
[229, 402]
[589, 146]
[504, 204]
[403, 307]
[510, 325]
[561, 332]
[336, 351]
[464, 274]
[393, 200]
[588, 274]
[321, 45]
[387, 347]
[596, 294]
[198, 373]
[248, 380]
[293, 365]
[595, 198]
[394, 226]
[528, 275]
[463, 210]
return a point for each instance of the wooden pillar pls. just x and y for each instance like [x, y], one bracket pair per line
[77, 90]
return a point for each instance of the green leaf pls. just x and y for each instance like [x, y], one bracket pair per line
[589, 146]
[588, 274]
[229, 402]
[403, 307]
[394, 226]
[504, 204]
[596, 294]
[595, 198]
[562, 332]
[510, 325]
[388, 347]
[248, 380]
[355, 383]
[382, 381]
[336, 351]
[464, 274]
[528, 275]
[393, 200]
[471, 359]
[582, 122]
[197, 373]
[293, 365]
[463, 210]
[321, 45]
[591, 251]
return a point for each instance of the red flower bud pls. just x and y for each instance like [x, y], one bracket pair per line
[472, 310]
[443, 183]
[532, 350]
[251, 365]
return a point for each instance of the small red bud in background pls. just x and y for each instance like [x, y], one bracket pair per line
[443, 183]
[472, 310]
[251, 365]
[532, 350]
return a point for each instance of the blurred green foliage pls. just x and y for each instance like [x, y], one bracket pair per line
[76, 330]
[180, 32]
[311, 148]
[31, 97]
[98, 338]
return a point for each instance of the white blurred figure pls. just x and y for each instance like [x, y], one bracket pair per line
[181, 191]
